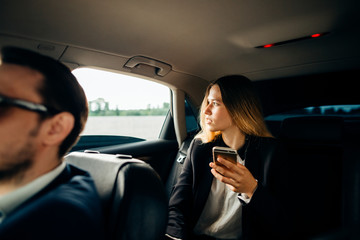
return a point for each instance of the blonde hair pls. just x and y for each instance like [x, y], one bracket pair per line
[244, 107]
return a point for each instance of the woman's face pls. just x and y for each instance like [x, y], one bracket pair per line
[217, 117]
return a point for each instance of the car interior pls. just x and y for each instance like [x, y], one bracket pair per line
[302, 56]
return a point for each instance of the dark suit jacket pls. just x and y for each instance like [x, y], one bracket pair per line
[264, 217]
[68, 208]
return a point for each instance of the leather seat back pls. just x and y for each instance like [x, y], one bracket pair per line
[133, 196]
[315, 154]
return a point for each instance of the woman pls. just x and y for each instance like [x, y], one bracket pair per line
[230, 201]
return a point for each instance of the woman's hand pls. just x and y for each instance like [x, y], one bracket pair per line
[236, 176]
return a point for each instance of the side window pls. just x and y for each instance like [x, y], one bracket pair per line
[122, 105]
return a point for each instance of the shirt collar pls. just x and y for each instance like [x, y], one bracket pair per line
[12, 200]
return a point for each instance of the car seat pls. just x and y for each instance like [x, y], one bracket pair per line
[133, 197]
[315, 155]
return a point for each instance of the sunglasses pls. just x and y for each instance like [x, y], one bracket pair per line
[34, 107]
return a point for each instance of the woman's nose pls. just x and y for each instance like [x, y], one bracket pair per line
[207, 110]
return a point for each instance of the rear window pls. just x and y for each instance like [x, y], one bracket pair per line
[333, 110]
[350, 114]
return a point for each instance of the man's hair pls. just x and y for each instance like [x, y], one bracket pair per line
[59, 88]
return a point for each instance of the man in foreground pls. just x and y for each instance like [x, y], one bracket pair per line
[43, 109]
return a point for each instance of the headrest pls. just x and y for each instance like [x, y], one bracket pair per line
[103, 168]
[314, 128]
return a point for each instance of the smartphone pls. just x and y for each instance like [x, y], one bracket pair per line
[226, 153]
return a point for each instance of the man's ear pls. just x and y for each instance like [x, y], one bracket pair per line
[58, 128]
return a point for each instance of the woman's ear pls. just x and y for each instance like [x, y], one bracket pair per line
[58, 128]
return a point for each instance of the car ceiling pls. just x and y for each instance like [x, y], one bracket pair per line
[201, 40]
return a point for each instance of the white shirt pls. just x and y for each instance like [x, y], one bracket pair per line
[221, 216]
[12, 200]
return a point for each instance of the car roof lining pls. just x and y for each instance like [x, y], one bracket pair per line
[215, 46]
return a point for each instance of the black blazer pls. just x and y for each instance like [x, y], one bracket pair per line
[68, 208]
[264, 217]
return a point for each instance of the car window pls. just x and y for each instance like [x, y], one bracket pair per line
[123, 105]
[347, 112]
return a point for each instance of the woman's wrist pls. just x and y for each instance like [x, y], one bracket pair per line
[251, 193]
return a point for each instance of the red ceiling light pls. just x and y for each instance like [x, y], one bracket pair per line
[268, 45]
[316, 35]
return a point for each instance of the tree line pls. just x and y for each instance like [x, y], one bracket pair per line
[100, 107]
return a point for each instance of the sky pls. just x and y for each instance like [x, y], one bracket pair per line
[120, 90]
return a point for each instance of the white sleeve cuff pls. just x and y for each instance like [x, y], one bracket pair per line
[172, 237]
[244, 198]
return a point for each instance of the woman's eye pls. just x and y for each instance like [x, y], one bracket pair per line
[213, 103]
